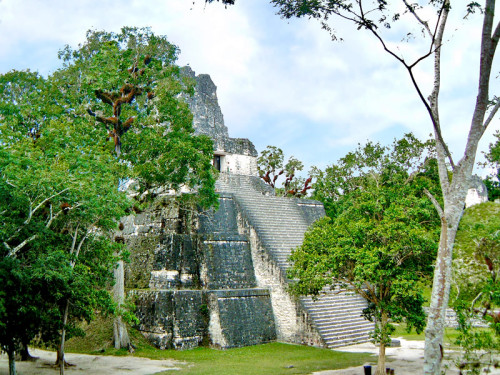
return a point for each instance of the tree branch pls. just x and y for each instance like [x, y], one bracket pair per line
[422, 22]
[42, 203]
[80, 247]
[491, 115]
[12, 253]
[73, 243]
[99, 118]
[436, 204]
[440, 30]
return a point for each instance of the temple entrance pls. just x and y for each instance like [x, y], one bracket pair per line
[217, 162]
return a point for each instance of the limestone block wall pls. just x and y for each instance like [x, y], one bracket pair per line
[172, 319]
[311, 210]
[226, 263]
[477, 193]
[240, 164]
[176, 262]
[241, 317]
[144, 234]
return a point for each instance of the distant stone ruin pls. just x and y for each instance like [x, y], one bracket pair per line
[219, 278]
[477, 193]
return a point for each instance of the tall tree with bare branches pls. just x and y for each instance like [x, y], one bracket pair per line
[376, 17]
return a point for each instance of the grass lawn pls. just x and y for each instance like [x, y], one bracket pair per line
[273, 358]
[450, 334]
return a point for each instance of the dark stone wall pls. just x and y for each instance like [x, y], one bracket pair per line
[142, 260]
[172, 319]
[148, 235]
[228, 262]
[221, 221]
[246, 316]
[208, 118]
[207, 115]
[177, 255]
[240, 146]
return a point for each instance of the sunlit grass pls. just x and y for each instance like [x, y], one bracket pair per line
[450, 334]
[273, 358]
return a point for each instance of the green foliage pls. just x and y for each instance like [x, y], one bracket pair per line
[270, 165]
[409, 160]
[129, 85]
[373, 16]
[492, 182]
[476, 293]
[57, 190]
[59, 175]
[380, 236]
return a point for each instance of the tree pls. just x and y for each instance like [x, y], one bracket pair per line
[59, 203]
[59, 177]
[376, 17]
[476, 292]
[129, 85]
[379, 238]
[270, 167]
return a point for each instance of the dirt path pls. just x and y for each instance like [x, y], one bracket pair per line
[89, 364]
[405, 360]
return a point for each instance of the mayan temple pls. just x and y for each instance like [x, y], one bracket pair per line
[219, 278]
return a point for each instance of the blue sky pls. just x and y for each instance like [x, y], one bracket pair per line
[280, 82]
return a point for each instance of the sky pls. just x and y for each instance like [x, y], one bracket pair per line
[279, 82]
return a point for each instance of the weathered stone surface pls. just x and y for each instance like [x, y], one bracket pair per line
[228, 262]
[172, 319]
[207, 115]
[477, 193]
[237, 146]
[208, 118]
[217, 262]
[311, 210]
[244, 317]
[142, 259]
[221, 221]
[176, 263]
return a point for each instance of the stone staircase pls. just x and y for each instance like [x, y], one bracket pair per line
[337, 316]
[280, 224]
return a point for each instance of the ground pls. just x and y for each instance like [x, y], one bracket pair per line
[88, 365]
[405, 360]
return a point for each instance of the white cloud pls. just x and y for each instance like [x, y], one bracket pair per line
[280, 82]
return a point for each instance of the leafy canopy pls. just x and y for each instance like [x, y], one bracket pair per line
[493, 181]
[55, 191]
[380, 235]
[128, 84]
[59, 172]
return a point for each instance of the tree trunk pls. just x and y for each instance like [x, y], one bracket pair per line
[120, 334]
[454, 202]
[381, 359]
[454, 190]
[60, 353]
[12, 360]
[23, 354]
[121, 338]
[381, 351]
